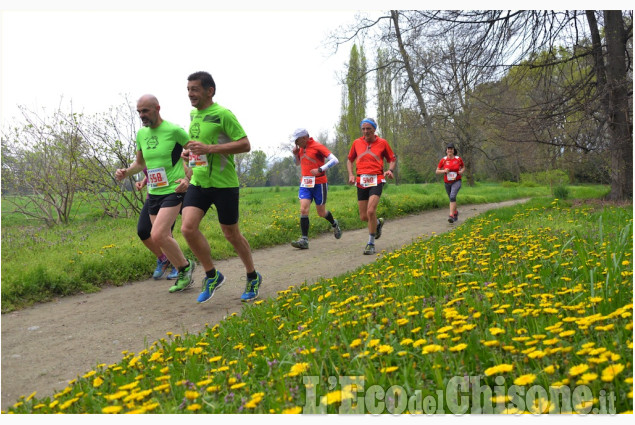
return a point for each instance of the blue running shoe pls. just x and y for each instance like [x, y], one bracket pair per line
[174, 274]
[251, 291]
[210, 286]
[162, 267]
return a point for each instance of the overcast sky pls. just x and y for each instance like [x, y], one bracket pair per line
[269, 66]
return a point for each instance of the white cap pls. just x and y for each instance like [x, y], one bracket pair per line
[297, 133]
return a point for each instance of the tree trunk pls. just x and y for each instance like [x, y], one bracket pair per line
[411, 78]
[619, 114]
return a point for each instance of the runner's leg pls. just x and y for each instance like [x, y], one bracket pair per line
[197, 242]
[162, 235]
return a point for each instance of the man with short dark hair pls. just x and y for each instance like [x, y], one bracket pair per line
[215, 137]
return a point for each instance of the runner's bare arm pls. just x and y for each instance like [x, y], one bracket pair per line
[237, 146]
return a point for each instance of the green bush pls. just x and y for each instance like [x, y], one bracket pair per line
[545, 178]
[561, 192]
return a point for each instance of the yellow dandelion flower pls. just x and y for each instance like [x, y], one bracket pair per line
[579, 369]
[213, 388]
[237, 386]
[419, 342]
[490, 343]
[357, 342]
[194, 407]
[566, 333]
[501, 368]
[406, 341]
[129, 386]
[389, 369]
[609, 373]
[336, 396]
[588, 377]
[116, 396]
[432, 348]
[458, 347]
[298, 368]
[551, 369]
[373, 342]
[89, 374]
[97, 382]
[292, 410]
[192, 395]
[111, 409]
[215, 359]
[496, 331]
[525, 379]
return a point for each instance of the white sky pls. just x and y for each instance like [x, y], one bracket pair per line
[268, 65]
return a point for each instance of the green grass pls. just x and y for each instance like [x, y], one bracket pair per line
[40, 263]
[537, 296]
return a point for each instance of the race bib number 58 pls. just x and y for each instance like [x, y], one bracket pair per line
[307, 181]
[157, 178]
[368, 180]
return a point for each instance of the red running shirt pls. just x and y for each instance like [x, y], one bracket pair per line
[370, 157]
[313, 156]
[454, 165]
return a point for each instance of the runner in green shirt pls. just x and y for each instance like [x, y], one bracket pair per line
[215, 136]
[159, 147]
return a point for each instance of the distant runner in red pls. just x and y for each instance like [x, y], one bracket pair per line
[369, 152]
[452, 168]
[314, 159]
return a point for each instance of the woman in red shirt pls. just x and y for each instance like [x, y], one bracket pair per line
[452, 168]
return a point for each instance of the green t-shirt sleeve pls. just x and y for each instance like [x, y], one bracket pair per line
[181, 136]
[231, 126]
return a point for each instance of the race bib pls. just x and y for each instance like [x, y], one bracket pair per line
[307, 181]
[157, 178]
[368, 180]
[198, 160]
[451, 176]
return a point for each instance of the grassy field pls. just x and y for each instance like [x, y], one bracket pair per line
[525, 309]
[40, 263]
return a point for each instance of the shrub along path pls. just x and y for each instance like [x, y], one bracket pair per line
[47, 345]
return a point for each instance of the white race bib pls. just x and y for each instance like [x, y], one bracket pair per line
[307, 181]
[198, 160]
[157, 177]
[452, 176]
[368, 180]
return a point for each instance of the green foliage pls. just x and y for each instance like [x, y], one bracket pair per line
[90, 253]
[532, 295]
[561, 192]
[544, 178]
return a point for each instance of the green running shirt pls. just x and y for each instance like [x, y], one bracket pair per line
[161, 148]
[215, 125]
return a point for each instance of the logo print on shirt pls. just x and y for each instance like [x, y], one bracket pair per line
[195, 131]
[214, 119]
[152, 142]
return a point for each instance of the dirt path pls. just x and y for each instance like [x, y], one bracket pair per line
[45, 346]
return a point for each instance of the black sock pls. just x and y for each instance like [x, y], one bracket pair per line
[183, 268]
[211, 274]
[304, 225]
[253, 275]
[329, 218]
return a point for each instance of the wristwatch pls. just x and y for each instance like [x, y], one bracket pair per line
[320, 170]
